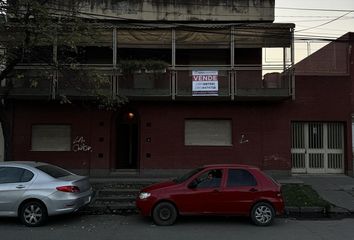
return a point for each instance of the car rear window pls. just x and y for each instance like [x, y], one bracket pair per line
[240, 177]
[53, 171]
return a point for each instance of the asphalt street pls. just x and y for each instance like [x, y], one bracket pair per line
[89, 227]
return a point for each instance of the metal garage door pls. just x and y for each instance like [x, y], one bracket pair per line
[317, 147]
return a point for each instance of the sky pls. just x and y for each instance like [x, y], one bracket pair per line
[308, 21]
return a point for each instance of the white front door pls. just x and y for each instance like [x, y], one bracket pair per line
[317, 147]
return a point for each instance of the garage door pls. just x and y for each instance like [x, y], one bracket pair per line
[317, 147]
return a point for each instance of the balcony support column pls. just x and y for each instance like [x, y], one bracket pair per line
[114, 61]
[292, 77]
[54, 83]
[173, 67]
[232, 61]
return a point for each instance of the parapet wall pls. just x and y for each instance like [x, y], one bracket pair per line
[181, 10]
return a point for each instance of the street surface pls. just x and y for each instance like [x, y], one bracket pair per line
[115, 227]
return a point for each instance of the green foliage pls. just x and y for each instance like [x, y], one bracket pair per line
[112, 103]
[130, 66]
[28, 33]
[299, 195]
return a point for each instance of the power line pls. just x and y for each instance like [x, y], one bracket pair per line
[137, 23]
[316, 9]
[323, 24]
[316, 20]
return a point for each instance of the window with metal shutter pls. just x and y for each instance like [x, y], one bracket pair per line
[200, 132]
[51, 138]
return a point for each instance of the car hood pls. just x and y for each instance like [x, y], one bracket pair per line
[158, 186]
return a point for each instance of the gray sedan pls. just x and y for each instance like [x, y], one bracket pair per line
[33, 191]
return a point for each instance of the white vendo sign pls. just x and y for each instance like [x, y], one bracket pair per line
[205, 83]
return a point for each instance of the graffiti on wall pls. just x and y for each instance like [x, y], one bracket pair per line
[80, 145]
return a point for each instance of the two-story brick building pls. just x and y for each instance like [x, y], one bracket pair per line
[227, 95]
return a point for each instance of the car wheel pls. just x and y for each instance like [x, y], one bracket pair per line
[164, 214]
[33, 214]
[262, 214]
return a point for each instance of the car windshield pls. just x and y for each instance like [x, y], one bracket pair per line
[187, 175]
[54, 171]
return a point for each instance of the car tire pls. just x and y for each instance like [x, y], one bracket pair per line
[164, 214]
[262, 214]
[33, 214]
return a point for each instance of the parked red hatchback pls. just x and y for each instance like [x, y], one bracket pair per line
[214, 190]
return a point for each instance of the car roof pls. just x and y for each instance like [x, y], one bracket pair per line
[22, 163]
[230, 165]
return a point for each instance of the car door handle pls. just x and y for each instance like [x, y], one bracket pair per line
[216, 190]
[20, 186]
[253, 190]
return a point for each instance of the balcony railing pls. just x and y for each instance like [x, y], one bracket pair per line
[263, 82]
[243, 82]
[84, 82]
[145, 84]
[24, 83]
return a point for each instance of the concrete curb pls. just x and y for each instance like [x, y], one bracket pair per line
[306, 212]
[290, 212]
[317, 212]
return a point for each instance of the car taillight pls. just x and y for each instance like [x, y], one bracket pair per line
[71, 189]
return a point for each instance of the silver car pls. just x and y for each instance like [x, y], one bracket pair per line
[33, 191]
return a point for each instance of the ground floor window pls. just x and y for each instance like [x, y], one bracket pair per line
[208, 132]
[51, 138]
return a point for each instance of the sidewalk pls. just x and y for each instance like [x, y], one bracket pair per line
[118, 194]
[336, 189]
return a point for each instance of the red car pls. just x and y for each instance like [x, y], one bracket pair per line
[228, 189]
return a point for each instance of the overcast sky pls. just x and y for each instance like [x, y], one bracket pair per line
[310, 19]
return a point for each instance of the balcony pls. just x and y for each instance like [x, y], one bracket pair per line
[38, 82]
[243, 83]
[144, 84]
[28, 83]
[267, 83]
[85, 82]
[191, 83]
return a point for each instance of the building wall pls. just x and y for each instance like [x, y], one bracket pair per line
[167, 146]
[92, 125]
[351, 64]
[181, 10]
[265, 125]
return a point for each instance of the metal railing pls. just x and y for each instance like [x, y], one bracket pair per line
[242, 81]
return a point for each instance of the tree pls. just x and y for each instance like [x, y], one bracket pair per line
[34, 31]
[52, 33]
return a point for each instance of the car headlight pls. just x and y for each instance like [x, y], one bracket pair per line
[144, 195]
